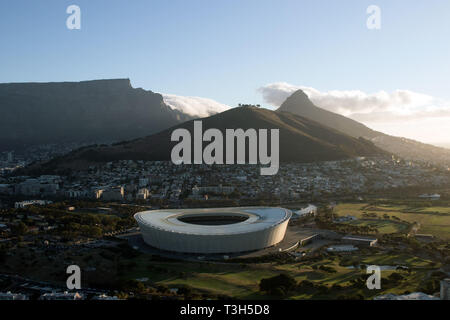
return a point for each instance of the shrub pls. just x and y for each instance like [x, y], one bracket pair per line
[279, 284]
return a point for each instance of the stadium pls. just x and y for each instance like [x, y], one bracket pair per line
[213, 231]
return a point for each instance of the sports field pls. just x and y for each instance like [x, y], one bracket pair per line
[433, 220]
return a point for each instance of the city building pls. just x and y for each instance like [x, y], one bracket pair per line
[11, 156]
[362, 241]
[430, 196]
[310, 239]
[97, 193]
[105, 297]
[113, 194]
[6, 188]
[309, 210]
[144, 182]
[342, 248]
[62, 296]
[12, 296]
[215, 189]
[346, 218]
[411, 296]
[143, 194]
[23, 204]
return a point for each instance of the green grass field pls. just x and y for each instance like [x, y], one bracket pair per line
[432, 220]
[242, 281]
[383, 226]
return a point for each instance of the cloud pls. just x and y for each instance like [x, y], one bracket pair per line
[381, 106]
[276, 93]
[194, 106]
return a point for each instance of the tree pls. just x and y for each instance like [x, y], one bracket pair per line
[278, 285]
[19, 229]
[2, 255]
[185, 290]
[133, 286]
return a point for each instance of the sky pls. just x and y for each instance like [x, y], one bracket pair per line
[225, 52]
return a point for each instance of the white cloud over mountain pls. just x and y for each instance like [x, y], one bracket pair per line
[276, 93]
[397, 112]
[194, 106]
[358, 104]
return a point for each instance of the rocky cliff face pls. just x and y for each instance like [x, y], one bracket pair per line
[87, 111]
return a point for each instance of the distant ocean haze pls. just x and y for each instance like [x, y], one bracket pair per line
[442, 144]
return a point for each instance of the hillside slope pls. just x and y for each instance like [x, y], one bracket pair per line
[298, 103]
[301, 140]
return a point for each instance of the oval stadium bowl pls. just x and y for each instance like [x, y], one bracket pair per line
[214, 230]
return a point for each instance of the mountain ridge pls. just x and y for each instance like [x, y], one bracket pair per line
[301, 140]
[107, 110]
[299, 103]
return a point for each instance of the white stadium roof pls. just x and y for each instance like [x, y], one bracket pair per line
[259, 218]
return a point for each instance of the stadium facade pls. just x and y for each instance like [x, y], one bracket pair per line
[213, 231]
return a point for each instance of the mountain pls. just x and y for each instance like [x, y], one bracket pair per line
[299, 104]
[87, 111]
[301, 140]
